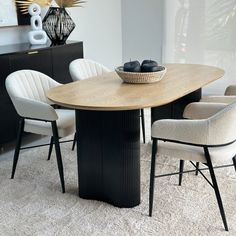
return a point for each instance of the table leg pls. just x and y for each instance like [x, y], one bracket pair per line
[108, 149]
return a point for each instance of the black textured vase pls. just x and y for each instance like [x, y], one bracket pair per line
[58, 25]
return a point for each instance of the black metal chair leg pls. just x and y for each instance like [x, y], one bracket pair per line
[234, 161]
[58, 154]
[181, 168]
[152, 175]
[50, 148]
[74, 142]
[197, 165]
[18, 144]
[143, 125]
[215, 185]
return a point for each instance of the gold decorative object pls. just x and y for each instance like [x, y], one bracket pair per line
[24, 4]
[69, 3]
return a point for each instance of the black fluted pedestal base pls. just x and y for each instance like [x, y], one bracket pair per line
[108, 149]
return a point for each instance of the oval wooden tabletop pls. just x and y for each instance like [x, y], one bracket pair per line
[108, 92]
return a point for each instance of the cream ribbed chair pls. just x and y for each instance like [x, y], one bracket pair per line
[210, 140]
[81, 69]
[27, 90]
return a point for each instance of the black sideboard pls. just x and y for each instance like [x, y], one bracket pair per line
[51, 60]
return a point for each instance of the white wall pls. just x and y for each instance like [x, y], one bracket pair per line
[16, 34]
[13, 35]
[98, 25]
[204, 32]
[190, 31]
[142, 29]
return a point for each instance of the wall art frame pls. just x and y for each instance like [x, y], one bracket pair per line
[10, 14]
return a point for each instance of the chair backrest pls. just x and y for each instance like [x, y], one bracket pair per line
[230, 90]
[81, 69]
[27, 90]
[29, 84]
[222, 126]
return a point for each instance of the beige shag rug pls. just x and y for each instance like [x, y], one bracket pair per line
[32, 203]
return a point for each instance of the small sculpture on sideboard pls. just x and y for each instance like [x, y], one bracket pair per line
[37, 35]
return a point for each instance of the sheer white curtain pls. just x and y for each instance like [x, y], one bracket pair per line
[204, 32]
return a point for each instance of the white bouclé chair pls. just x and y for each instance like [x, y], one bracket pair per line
[202, 110]
[228, 97]
[209, 140]
[81, 69]
[28, 92]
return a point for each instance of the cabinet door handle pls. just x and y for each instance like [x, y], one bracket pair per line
[32, 52]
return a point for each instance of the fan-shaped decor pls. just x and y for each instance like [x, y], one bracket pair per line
[58, 25]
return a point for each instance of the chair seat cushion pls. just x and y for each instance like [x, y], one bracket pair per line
[219, 155]
[65, 124]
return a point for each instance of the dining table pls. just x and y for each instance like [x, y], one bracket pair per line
[107, 114]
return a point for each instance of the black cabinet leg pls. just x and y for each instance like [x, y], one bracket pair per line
[50, 148]
[152, 175]
[181, 168]
[215, 186]
[143, 125]
[58, 154]
[18, 144]
[74, 142]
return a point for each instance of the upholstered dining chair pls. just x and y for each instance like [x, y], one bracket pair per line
[202, 110]
[198, 111]
[27, 90]
[81, 69]
[209, 141]
[228, 97]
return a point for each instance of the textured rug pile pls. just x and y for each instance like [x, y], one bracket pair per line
[32, 203]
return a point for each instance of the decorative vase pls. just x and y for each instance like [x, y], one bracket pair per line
[58, 25]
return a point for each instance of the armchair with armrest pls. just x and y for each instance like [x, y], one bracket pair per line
[228, 97]
[27, 90]
[208, 140]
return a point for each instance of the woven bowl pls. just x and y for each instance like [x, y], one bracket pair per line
[140, 78]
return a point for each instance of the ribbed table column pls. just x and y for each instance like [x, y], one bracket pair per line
[108, 146]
